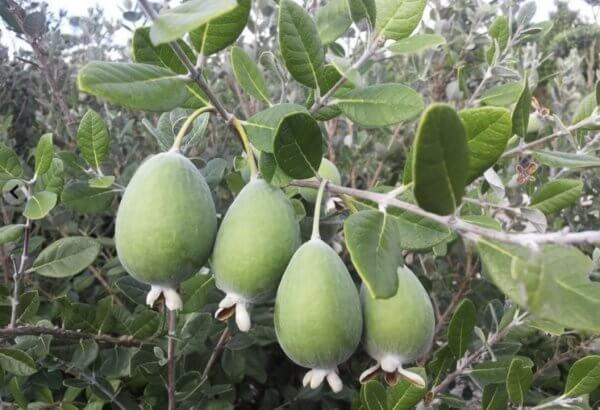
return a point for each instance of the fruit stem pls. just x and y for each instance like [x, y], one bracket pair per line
[317, 214]
[172, 323]
[237, 124]
[186, 125]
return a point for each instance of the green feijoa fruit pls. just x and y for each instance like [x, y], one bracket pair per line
[318, 319]
[255, 242]
[166, 224]
[400, 329]
[327, 170]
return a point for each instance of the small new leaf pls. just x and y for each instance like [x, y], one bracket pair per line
[44, 151]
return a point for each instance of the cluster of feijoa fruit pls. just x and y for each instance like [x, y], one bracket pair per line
[166, 230]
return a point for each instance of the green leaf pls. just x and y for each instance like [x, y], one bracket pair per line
[552, 283]
[54, 179]
[44, 151]
[499, 31]
[397, 19]
[333, 19]
[9, 162]
[584, 376]
[262, 126]
[495, 397]
[405, 395]
[373, 396]
[196, 292]
[248, 75]
[372, 241]
[17, 362]
[520, 115]
[222, 31]
[172, 24]
[92, 138]
[567, 160]
[81, 197]
[360, 9]
[585, 109]
[298, 145]
[300, 43]
[518, 380]
[556, 195]
[502, 95]
[488, 131]
[66, 257]
[162, 55]
[441, 160]
[136, 86]
[417, 43]
[381, 105]
[271, 172]
[496, 371]
[484, 221]
[134, 290]
[11, 233]
[39, 204]
[102, 182]
[460, 328]
[214, 171]
[29, 303]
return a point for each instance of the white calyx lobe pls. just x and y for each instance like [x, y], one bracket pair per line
[393, 364]
[242, 314]
[172, 299]
[315, 377]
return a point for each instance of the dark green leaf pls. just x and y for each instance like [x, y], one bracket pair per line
[372, 241]
[460, 328]
[405, 395]
[136, 86]
[380, 105]
[441, 160]
[17, 362]
[360, 9]
[520, 115]
[333, 19]
[11, 233]
[300, 44]
[262, 126]
[9, 162]
[298, 145]
[495, 397]
[373, 396]
[222, 31]
[488, 131]
[248, 75]
[66, 257]
[556, 195]
[92, 138]
[162, 55]
[81, 197]
[502, 95]
[518, 380]
[584, 376]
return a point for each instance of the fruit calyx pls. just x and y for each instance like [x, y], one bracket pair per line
[172, 299]
[392, 368]
[235, 304]
[315, 377]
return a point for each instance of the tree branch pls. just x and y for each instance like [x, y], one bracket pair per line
[472, 232]
[126, 341]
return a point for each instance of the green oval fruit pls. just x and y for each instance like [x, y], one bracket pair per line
[255, 242]
[166, 222]
[318, 318]
[399, 329]
[327, 170]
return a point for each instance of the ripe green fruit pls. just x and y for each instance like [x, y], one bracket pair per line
[327, 170]
[400, 329]
[166, 224]
[318, 318]
[255, 242]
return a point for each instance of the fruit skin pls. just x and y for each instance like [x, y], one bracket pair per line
[166, 222]
[318, 319]
[327, 170]
[255, 242]
[398, 329]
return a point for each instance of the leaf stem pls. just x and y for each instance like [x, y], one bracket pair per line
[317, 216]
[237, 124]
[187, 124]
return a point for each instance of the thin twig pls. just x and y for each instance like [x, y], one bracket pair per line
[215, 354]
[126, 341]
[470, 231]
[172, 318]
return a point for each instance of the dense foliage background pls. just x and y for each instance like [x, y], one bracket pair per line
[81, 335]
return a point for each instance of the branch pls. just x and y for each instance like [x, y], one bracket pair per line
[126, 341]
[215, 354]
[472, 232]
